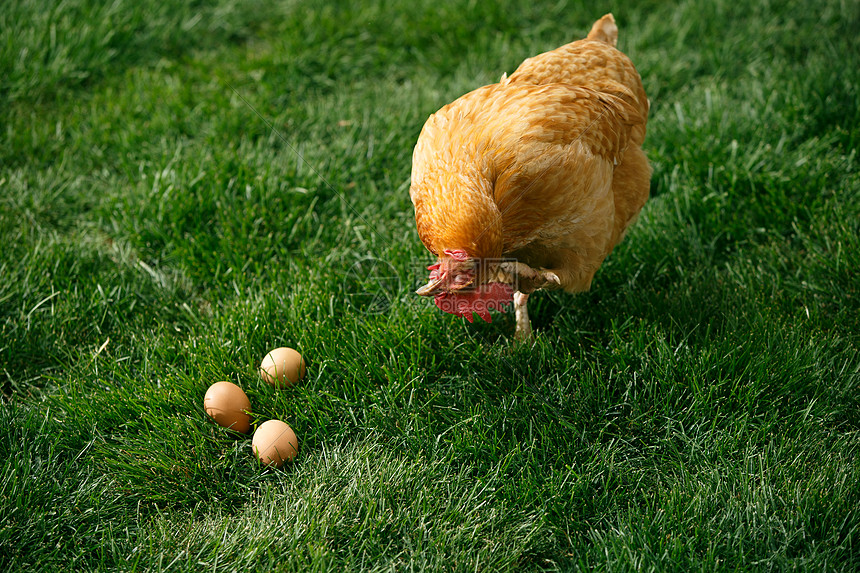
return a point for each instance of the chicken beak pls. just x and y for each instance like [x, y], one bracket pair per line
[430, 288]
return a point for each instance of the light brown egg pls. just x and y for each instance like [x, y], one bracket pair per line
[282, 367]
[274, 443]
[228, 405]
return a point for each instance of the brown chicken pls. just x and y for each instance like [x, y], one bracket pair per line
[529, 183]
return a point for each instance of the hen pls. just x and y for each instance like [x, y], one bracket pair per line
[529, 183]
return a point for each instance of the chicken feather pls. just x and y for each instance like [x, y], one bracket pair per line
[544, 167]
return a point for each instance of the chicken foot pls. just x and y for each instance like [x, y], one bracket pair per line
[526, 279]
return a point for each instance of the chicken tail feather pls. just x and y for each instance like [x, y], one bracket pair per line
[605, 30]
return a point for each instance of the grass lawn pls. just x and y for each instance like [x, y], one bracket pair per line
[186, 185]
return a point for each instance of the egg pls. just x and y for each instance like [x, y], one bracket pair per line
[228, 405]
[274, 443]
[282, 367]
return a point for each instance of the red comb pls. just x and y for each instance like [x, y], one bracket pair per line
[457, 254]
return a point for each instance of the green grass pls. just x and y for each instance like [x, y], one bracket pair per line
[184, 186]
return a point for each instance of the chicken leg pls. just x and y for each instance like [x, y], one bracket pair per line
[524, 325]
[526, 280]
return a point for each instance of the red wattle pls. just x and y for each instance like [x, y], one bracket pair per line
[492, 296]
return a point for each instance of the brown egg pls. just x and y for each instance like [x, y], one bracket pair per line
[282, 367]
[274, 443]
[228, 405]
